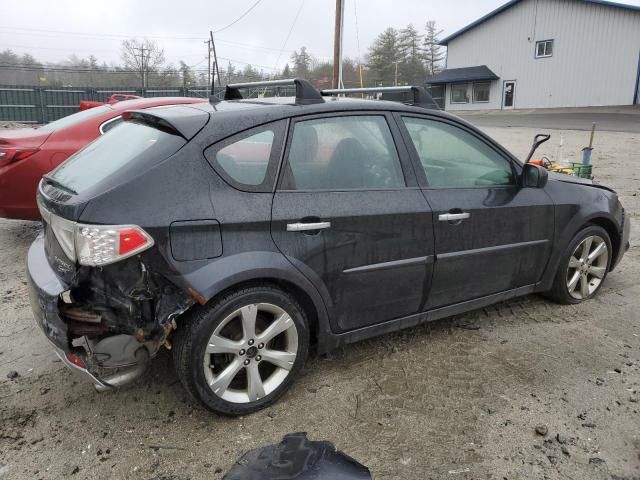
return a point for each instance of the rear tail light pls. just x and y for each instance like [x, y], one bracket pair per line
[104, 244]
[76, 360]
[96, 245]
[14, 154]
[64, 231]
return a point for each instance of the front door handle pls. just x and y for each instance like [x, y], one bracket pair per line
[303, 227]
[452, 217]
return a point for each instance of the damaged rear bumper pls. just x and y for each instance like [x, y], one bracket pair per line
[44, 291]
[106, 346]
[67, 362]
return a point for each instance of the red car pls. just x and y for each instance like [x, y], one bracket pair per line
[115, 98]
[28, 153]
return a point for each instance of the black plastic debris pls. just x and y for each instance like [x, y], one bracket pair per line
[297, 458]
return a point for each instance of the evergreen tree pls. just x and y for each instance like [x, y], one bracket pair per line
[188, 77]
[383, 55]
[302, 62]
[432, 51]
[93, 63]
[8, 57]
[410, 46]
[29, 61]
[230, 74]
[249, 74]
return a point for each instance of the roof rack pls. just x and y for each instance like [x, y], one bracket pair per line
[421, 98]
[306, 94]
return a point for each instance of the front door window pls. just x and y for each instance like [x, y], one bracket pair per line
[452, 157]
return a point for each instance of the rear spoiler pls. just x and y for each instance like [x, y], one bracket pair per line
[179, 119]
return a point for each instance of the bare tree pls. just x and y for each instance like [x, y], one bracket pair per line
[142, 56]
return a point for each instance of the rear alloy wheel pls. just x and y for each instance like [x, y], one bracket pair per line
[250, 353]
[584, 267]
[241, 353]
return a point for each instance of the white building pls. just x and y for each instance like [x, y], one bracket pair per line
[542, 54]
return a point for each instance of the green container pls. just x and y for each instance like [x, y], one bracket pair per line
[581, 170]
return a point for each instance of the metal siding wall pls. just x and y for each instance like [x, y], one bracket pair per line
[594, 60]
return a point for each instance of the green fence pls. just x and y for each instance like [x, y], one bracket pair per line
[27, 104]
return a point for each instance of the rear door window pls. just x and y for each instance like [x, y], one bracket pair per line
[248, 161]
[131, 143]
[343, 153]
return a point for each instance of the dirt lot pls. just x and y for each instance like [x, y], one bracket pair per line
[455, 399]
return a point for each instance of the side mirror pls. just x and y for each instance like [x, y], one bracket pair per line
[534, 176]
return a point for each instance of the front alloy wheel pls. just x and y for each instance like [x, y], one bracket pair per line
[584, 266]
[587, 267]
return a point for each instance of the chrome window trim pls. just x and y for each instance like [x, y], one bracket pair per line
[104, 124]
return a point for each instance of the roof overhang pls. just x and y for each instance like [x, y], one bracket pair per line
[466, 74]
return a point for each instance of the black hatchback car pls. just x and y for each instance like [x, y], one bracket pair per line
[242, 232]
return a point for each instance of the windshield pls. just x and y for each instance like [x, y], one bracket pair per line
[116, 153]
[76, 118]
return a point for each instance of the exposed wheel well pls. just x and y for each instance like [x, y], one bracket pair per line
[614, 235]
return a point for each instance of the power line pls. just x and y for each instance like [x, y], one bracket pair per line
[246, 46]
[239, 18]
[80, 69]
[117, 37]
[284, 44]
[355, 12]
[96, 35]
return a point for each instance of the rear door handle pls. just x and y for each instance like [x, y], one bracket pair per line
[303, 227]
[452, 217]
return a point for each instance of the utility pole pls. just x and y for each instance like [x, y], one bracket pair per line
[215, 59]
[337, 44]
[208, 42]
[142, 66]
[395, 82]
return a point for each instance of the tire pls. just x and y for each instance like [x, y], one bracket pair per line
[211, 347]
[582, 267]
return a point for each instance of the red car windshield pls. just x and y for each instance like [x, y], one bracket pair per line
[75, 118]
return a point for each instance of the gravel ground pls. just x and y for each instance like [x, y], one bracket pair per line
[524, 389]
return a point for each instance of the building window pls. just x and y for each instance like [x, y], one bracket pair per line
[459, 93]
[481, 92]
[544, 48]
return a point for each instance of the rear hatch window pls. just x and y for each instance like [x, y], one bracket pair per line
[127, 150]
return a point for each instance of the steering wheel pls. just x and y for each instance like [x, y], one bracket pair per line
[381, 176]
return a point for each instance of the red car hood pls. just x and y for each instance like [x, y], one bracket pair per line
[23, 137]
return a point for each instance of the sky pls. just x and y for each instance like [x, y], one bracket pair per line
[265, 37]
